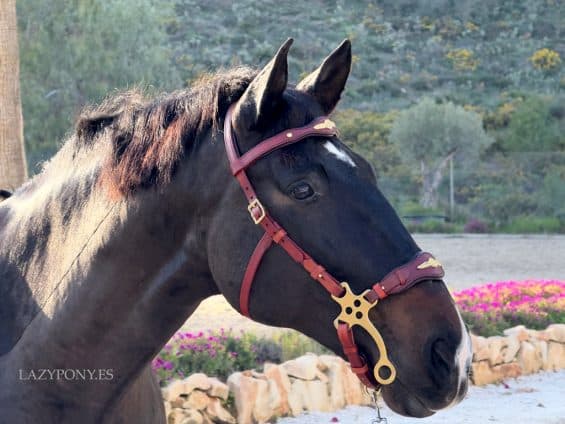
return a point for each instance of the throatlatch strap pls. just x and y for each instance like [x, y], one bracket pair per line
[251, 270]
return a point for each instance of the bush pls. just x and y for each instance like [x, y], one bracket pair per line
[532, 128]
[476, 226]
[415, 209]
[215, 353]
[294, 344]
[221, 353]
[545, 60]
[490, 309]
[267, 350]
[433, 227]
[462, 59]
[533, 225]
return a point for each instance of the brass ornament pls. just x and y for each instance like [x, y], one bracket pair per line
[355, 311]
[326, 124]
[430, 263]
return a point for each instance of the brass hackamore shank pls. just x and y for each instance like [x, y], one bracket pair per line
[355, 311]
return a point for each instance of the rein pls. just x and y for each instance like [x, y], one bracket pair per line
[354, 308]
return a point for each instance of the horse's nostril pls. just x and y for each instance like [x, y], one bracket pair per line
[441, 359]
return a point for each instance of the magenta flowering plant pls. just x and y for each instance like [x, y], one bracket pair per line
[220, 353]
[216, 353]
[491, 308]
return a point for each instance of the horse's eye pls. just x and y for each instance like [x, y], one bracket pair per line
[302, 191]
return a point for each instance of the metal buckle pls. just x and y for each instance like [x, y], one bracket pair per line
[256, 204]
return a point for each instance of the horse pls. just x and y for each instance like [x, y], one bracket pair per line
[138, 218]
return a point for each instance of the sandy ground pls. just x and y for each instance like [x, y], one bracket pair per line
[534, 399]
[468, 260]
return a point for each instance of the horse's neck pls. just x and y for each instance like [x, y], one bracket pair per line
[108, 278]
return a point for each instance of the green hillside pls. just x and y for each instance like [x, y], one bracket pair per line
[498, 61]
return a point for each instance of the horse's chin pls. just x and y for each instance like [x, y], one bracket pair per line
[401, 401]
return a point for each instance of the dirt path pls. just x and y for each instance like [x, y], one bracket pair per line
[467, 259]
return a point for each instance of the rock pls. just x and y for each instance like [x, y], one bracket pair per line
[529, 358]
[335, 372]
[511, 349]
[244, 390]
[218, 414]
[519, 331]
[483, 373]
[252, 398]
[555, 332]
[174, 390]
[296, 396]
[317, 396]
[277, 375]
[496, 345]
[480, 348]
[168, 408]
[352, 387]
[262, 410]
[304, 367]
[176, 416]
[193, 417]
[504, 371]
[198, 381]
[197, 400]
[555, 356]
[218, 389]
[178, 402]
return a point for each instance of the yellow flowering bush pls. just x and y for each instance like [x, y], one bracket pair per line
[462, 59]
[545, 59]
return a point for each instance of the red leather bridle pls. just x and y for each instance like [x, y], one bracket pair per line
[354, 307]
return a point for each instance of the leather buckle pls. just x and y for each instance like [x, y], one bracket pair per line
[256, 204]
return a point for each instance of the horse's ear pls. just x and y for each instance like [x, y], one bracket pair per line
[264, 94]
[328, 81]
[91, 124]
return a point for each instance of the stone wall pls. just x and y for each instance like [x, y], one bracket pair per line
[519, 352]
[325, 383]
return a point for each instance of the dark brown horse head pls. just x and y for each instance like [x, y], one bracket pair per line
[327, 199]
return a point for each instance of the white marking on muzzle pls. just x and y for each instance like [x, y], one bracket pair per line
[338, 153]
[463, 357]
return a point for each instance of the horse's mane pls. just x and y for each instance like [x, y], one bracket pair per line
[149, 136]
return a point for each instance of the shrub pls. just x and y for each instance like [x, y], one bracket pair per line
[532, 128]
[214, 353]
[490, 309]
[475, 226]
[545, 60]
[221, 353]
[294, 344]
[533, 225]
[433, 227]
[462, 59]
[267, 350]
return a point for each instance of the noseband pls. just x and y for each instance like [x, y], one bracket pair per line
[354, 308]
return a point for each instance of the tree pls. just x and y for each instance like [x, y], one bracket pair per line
[12, 154]
[75, 52]
[430, 135]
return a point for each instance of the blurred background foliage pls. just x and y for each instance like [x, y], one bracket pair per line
[496, 62]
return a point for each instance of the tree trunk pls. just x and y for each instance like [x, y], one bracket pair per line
[13, 171]
[431, 179]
